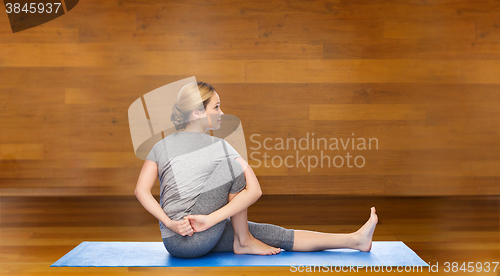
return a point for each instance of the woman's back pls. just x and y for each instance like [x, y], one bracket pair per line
[185, 162]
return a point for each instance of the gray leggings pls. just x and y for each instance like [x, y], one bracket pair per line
[220, 237]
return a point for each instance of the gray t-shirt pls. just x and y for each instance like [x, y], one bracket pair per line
[185, 161]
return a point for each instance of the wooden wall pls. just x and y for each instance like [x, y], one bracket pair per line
[422, 77]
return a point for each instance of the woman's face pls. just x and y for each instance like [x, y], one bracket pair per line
[214, 112]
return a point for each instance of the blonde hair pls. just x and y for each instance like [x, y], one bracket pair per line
[188, 100]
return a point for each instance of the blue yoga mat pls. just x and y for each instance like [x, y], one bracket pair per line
[115, 254]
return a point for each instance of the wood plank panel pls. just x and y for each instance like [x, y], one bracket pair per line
[335, 112]
[481, 71]
[411, 48]
[45, 33]
[488, 26]
[20, 151]
[425, 28]
[359, 71]
[418, 93]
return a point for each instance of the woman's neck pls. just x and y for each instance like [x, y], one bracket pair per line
[192, 129]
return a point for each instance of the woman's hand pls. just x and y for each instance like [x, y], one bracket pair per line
[181, 227]
[200, 223]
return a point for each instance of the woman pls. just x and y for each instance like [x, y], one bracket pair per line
[206, 188]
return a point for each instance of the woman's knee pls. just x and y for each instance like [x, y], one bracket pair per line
[272, 234]
[186, 249]
[199, 244]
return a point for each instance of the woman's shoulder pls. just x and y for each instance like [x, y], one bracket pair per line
[191, 140]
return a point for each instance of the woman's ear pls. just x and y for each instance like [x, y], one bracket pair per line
[198, 114]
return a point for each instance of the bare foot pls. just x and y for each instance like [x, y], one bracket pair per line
[253, 246]
[365, 233]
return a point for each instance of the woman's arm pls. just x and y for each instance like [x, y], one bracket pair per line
[147, 179]
[241, 201]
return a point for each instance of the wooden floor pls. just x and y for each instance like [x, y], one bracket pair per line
[37, 231]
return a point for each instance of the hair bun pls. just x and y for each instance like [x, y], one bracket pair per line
[177, 117]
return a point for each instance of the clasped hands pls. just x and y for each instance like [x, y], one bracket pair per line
[191, 224]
